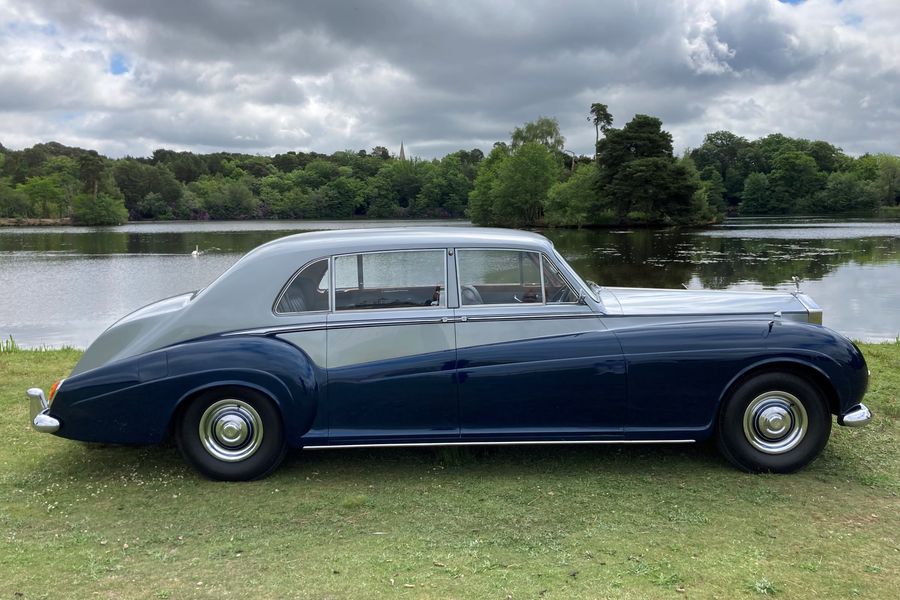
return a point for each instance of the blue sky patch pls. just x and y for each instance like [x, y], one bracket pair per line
[118, 64]
[853, 20]
[22, 27]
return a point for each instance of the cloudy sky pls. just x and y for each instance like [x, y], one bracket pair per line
[128, 76]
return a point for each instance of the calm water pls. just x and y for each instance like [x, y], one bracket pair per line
[65, 285]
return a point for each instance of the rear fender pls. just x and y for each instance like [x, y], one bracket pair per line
[133, 401]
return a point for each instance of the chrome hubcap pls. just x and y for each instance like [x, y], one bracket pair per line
[775, 422]
[231, 430]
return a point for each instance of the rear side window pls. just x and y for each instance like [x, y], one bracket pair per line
[379, 280]
[307, 291]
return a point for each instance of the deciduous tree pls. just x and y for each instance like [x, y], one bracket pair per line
[543, 130]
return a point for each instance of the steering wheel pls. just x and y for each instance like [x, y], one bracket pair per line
[561, 295]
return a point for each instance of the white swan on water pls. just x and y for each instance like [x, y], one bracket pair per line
[198, 252]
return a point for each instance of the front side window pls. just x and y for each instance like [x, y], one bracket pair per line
[499, 277]
[556, 289]
[307, 291]
[379, 280]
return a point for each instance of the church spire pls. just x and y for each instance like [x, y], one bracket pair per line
[402, 153]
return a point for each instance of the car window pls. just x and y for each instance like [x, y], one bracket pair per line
[378, 280]
[556, 288]
[307, 291]
[499, 277]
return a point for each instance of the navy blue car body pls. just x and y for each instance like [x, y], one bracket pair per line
[482, 336]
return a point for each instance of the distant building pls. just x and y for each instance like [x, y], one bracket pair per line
[402, 153]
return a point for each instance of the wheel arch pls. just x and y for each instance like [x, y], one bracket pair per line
[810, 372]
[281, 404]
[277, 369]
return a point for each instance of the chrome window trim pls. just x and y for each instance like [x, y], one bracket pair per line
[285, 287]
[334, 310]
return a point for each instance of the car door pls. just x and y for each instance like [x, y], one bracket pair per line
[534, 361]
[391, 349]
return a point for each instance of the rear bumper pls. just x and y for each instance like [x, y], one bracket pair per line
[858, 416]
[39, 411]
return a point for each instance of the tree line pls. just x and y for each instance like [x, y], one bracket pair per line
[633, 178]
[55, 181]
[777, 175]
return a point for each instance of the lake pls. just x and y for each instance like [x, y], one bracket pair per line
[65, 285]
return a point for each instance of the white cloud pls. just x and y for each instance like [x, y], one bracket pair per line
[319, 76]
[706, 53]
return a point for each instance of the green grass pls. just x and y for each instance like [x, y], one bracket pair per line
[93, 521]
[889, 212]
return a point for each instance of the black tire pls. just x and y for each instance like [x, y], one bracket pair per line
[231, 434]
[775, 422]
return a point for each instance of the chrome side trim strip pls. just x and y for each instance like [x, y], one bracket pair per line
[389, 323]
[482, 318]
[510, 443]
[271, 330]
[532, 317]
[414, 321]
[735, 315]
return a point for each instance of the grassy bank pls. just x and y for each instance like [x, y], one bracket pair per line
[889, 212]
[631, 522]
[27, 222]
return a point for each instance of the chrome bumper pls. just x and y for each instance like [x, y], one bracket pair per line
[39, 410]
[857, 417]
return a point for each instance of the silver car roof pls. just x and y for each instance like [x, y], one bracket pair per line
[365, 240]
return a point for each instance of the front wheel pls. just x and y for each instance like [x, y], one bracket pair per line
[232, 434]
[775, 422]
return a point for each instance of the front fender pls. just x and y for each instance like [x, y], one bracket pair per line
[134, 400]
[836, 357]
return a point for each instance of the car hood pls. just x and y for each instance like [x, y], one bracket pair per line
[647, 301]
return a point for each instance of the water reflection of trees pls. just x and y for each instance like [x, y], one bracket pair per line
[670, 258]
[649, 258]
[120, 242]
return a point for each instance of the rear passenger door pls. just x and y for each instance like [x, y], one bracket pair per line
[391, 349]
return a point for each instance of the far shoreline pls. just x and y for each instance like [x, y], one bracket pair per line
[886, 213]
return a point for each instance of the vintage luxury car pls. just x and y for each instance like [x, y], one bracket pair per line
[448, 336]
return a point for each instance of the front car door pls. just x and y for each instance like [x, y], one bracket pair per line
[533, 361]
[391, 349]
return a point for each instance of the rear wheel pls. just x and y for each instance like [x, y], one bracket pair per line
[775, 422]
[231, 433]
